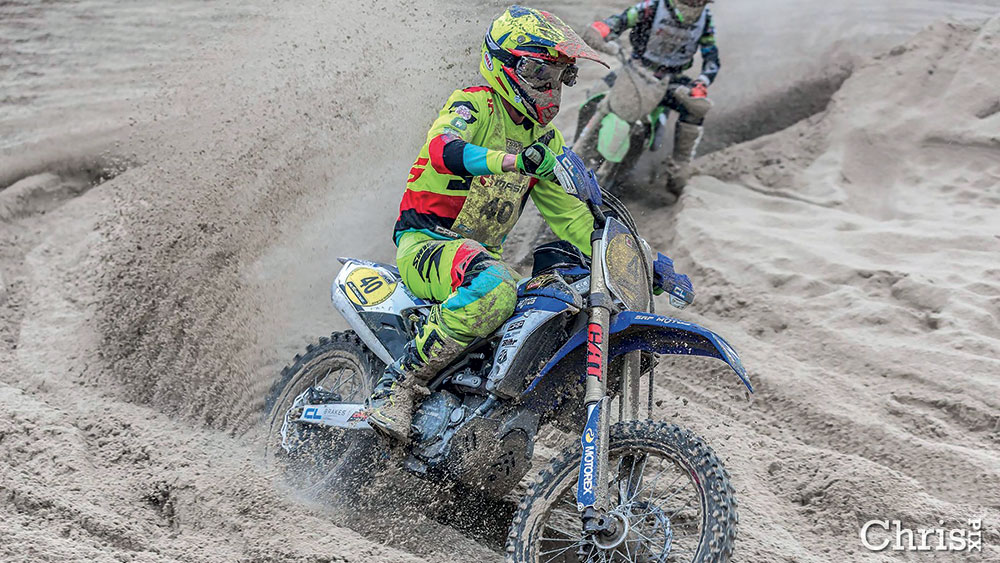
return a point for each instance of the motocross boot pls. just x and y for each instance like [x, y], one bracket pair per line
[391, 404]
[686, 139]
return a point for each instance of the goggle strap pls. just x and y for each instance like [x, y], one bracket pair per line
[499, 54]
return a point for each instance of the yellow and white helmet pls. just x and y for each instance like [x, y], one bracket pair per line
[528, 55]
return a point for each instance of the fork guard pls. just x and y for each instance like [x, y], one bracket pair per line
[659, 334]
[614, 138]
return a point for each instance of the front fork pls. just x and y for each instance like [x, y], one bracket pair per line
[592, 490]
[592, 494]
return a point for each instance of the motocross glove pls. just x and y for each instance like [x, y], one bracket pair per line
[665, 279]
[539, 161]
[699, 90]
[600, 37]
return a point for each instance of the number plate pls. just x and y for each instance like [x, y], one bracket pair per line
[366, 287]
[623, 258]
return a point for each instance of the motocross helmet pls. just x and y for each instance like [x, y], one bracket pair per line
[527, 56]
[688, 11]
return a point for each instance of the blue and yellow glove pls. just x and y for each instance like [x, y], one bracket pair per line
[666, 280]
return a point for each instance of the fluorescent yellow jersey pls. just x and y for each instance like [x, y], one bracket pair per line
[457, 189]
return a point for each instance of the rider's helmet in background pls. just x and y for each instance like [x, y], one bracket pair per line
[688, 11]
[527, 57]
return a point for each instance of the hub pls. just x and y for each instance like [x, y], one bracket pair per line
[616, 531]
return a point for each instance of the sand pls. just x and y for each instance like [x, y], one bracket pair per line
[177, 184]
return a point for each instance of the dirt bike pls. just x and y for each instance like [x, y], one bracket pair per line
[580, 345]
[615, 125]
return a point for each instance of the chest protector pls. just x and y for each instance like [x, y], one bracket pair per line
[672, 44]
[494, 203]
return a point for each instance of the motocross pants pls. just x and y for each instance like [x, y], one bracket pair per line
[474, 291]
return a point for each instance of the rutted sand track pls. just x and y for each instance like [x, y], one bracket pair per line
[847, 258]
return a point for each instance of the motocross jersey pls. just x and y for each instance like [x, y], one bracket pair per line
[665, 44]
[457, 189]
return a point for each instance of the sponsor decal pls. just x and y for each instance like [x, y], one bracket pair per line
[312, 413]
[460, 124]
[488, 60]
[541, 281]
[509, 342]
[589, 462]
[446, 232]
[515, 326]
[465, 110]
[595, 357]
[367, 287]
[358, 416]
[502, 357]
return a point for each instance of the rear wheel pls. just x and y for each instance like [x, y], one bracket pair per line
[670, 497]
[315, 458]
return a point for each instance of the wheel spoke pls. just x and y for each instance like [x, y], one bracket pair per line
[679, 510]
[340, 377]
[631, 484]
[561, 550]
[575, 540]
[663, 501]
[655, 480]
[563, 532]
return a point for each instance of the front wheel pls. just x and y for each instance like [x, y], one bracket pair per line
[669, 493]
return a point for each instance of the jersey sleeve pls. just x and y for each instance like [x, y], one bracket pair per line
[449, 140]
[567, 216]
[709, 51]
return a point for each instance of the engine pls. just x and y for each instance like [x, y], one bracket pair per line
[473, 441]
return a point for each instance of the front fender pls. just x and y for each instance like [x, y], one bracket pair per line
[632, 331]
[614, 138]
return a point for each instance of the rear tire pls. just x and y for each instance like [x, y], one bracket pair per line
[325, 457]
[712, 531]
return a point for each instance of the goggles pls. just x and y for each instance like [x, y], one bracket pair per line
[545, 75]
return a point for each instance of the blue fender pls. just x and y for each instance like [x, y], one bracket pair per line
[632, 331]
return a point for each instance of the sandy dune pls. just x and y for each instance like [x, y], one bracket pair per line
[237, 150]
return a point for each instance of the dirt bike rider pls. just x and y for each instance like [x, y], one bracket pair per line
[490, 148]
[665, 36]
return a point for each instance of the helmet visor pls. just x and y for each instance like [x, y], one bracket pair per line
[545, 75]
